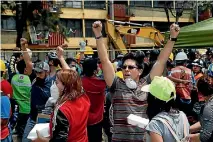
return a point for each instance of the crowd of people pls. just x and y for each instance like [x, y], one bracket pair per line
[90, 96]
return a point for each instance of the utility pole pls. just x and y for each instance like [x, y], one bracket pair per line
[196, 11]
[111, 11]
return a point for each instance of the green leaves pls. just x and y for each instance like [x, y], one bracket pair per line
[8, 5]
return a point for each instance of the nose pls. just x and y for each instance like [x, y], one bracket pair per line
[127, 69]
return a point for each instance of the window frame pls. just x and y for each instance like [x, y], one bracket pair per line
[79, 27]
[88, 27]
[135, 3]
[73, 6]
[6, 18]
[96, 5]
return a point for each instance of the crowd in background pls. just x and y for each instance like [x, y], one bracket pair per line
[86, 96]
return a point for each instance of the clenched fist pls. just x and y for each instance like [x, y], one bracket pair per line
[24, 44]
[97, 28]
[60, 50]
[64, 45]
[174, 30]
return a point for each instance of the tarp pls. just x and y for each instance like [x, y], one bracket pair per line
[197, 35]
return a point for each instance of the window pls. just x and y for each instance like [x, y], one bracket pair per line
[73, 26]
[134, 3]
[8, 23]
[184, 4]
[73, 4]
[88, 28]
[161, 4]
[162, 26]
[95, 4]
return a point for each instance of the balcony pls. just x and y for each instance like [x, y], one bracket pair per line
[120, 12]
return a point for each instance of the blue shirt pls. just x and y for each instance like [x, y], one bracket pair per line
[5, 107]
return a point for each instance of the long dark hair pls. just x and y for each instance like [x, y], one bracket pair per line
[156, 106]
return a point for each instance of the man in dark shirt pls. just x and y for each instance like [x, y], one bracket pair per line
[39, 95]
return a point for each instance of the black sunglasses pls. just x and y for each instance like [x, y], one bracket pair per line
[129, 67]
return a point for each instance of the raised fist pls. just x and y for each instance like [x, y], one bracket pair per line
[174, 30]
[59, 51]
[64, 45]
[97, 28]
[24, 44]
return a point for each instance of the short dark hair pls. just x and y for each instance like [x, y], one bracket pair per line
[21, 66]
[56, 61]
[137, 57]
[70, 60]
[204, 87]
[181, 62]
[89, 66]
[154, 55]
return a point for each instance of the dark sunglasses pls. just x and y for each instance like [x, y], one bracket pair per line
[129, 67]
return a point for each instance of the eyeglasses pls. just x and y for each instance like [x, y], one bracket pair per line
[129, 67]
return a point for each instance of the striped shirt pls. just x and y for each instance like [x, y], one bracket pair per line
[206, 121]
[125, 102]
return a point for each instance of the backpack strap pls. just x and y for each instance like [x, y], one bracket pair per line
[184, 125]
[169, 127]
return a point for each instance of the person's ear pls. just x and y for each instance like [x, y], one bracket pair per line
[140, 71]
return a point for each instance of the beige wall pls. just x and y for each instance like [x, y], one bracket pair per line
[72, 43]
[8, 37]
[74, 13]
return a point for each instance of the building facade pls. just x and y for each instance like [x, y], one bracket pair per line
[78, 16]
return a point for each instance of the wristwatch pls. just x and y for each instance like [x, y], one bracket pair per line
[99, 37]
[172, 39]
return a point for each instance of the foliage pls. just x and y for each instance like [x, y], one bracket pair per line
[205, 5]
[8, 5]
[50, 22]
[35, 15]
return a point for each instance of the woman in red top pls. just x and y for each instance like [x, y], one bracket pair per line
[70, 116]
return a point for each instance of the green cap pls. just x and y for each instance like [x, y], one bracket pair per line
[161, 88]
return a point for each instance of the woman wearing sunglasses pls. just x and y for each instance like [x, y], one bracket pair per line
[69, 119]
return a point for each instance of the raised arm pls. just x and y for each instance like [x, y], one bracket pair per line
[176, 80]
[108, 69]
[158, 68]
[27, 58]
[60, 51]
[82, 49]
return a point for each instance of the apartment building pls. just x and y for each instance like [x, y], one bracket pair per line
[78, 16]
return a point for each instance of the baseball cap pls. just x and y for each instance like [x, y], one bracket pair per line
[41, 66]
[161, 88]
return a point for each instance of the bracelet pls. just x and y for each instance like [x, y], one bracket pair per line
[172, 39]
[99, 37]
